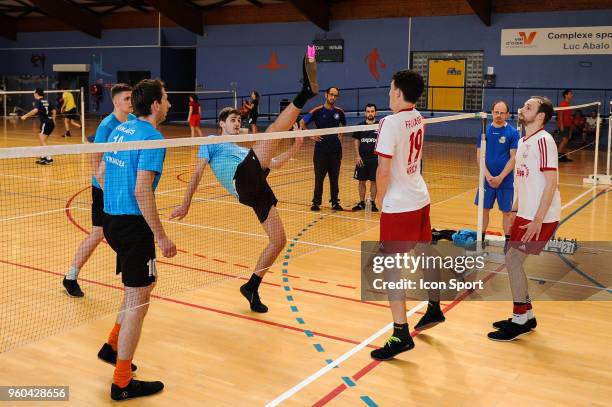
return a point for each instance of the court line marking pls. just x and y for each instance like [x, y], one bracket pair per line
[289, 393]
[339, 389]
[30, 215]
[325, 369]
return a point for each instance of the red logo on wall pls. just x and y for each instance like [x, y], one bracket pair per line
[373, 59]
[527, 39]
[273, 64]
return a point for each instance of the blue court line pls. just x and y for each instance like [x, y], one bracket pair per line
[348, 381]
[369, 402]
[563, 258]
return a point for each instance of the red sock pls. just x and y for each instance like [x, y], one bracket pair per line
[123, 373]
[113, 337]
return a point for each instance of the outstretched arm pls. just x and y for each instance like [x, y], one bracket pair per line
[281, 159]
[181, 211]
[29, 114]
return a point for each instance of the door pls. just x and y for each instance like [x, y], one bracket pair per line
[446, 72]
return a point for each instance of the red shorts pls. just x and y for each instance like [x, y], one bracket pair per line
[410, 227]
[536, 245]
[194, 120]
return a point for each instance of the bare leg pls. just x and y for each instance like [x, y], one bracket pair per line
[563, 145]
[362, 191]
[192, 129]
[76, 124]
[485, 219]
[199, 131]
[265, 149]
[254, 128]
[87, 247]
[136, 302]
[277, 240]
[373, 190]
[507, 222]
[67, 124]
[518, 279]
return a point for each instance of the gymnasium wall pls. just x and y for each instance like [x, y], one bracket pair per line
[244, 54]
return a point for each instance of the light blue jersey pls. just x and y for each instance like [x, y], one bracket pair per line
[104, 130]
[224, 158]
[122, 167]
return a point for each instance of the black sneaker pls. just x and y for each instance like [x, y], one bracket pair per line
[565, 159]
[337, 207]
[43, 161]
[432, 317]
[374, 208]
[315, 208]
[72, 287]
[309, 75]
[108, 355]
[510, 332]
[359, 207]
[49, 160]
[135, 388]
[531, 323]
[253, 299]
[392, 348]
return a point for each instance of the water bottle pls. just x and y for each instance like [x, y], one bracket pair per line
[368, 205]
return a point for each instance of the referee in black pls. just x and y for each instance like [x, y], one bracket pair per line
[328, 149]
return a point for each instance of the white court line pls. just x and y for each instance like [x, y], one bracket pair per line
[209, 184]
[573, 201]
[289, 393]
[52, 181]
[257, 235]
[30, 215]
[315, 214]
[339, 360]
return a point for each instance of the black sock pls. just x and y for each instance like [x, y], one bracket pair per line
[306, 92]
[253, 283]
[507, 238]
[433, 305]
[400, 331]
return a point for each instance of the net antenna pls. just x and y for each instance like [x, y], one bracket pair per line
[17, 102]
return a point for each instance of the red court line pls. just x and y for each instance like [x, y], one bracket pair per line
[317, 281]
[192, 305]
[161, 261]
[370, 366]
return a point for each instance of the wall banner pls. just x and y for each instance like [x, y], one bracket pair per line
[557, 41]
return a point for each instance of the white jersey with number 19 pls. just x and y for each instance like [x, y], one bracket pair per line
[400, 137]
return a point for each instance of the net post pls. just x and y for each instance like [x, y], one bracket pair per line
[82, 115]
[235, 92]
[483, 148]
[596, 178]
[4, 104]
[608, 175]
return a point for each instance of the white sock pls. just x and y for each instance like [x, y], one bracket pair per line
[73, 273]
[529, 311]
[520, 319]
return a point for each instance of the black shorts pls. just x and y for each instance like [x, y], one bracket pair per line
[46, 128]
[368, 171]
[72, 114]
[253, 188]
[253, 118]
[97, 207]
[132, 239]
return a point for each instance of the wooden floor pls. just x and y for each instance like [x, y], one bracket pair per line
[201, 339]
